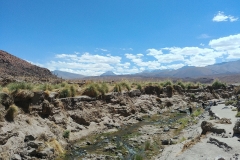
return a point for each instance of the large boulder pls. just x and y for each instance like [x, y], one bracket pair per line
[206, 127]
[209, 127]
[236, 128]
[134, 93]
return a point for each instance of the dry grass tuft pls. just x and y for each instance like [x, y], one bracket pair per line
[11, 112]
[191, 143]
[56, 145]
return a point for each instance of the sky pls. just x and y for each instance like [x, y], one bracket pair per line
[90, 37]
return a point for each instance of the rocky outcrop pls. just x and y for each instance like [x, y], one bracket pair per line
[22, 98]
[154, 90]
[220, 144]
[236, 128]
[209, 127]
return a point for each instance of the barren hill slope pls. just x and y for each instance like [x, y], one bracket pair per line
[13, 66]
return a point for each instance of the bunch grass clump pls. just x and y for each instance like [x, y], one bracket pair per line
[13, 87]
[180, 83]
[11, 112]
[95, 89]
[166, 83]
[218, 84]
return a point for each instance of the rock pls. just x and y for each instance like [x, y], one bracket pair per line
[166, 129]
[23, 98]
[153, 90]
[208, 127]
[236, 128]
[6, 99]
[80, 119]
[166, 142]
[32, 144]
[220, 144]
[52, 96]
[29, 138]
[110, 148]
[16, 157]
[134, 93]
[46, 108]
[46, 152]
[5, 136]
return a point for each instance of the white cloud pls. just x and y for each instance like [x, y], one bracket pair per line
[220, 17]
[136, 59]
[164, 58]
[203, 36]
[229, 45]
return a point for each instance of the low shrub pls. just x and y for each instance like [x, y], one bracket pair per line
[66, 134]
[230, 102]
[11, 112]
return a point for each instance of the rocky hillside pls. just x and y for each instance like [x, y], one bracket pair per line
[12, 66]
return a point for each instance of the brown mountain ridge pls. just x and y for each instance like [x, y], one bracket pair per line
[13, 67]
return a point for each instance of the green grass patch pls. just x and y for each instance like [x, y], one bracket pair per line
[13, 87]
[66, 134]
[238, 114]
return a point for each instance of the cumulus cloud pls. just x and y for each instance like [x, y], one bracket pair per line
[229, 45]
[220, 17]
[164, 58]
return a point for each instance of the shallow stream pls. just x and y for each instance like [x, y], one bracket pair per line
[123, 147]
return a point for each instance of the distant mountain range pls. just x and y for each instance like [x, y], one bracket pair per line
[226, 68]
[216, 70]
[67, 75]
[108, 73]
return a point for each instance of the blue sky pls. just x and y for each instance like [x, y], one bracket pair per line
[91, 37]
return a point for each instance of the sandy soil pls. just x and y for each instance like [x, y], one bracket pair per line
[204, 150]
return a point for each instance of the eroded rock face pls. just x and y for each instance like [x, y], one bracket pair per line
[23, 99]
[154, 90]
[47, 108]
[6, 99]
